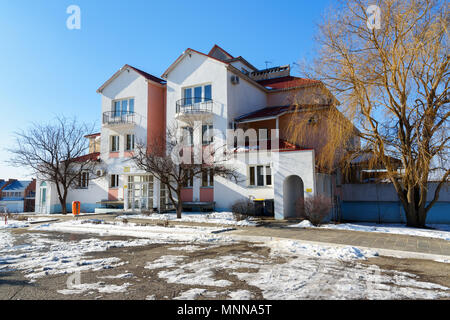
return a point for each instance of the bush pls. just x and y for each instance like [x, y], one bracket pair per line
[242, 209]
[315, 208]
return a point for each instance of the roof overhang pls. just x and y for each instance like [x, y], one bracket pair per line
[187, 52]
[128, 67]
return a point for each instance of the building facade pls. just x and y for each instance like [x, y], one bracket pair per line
[224, 94]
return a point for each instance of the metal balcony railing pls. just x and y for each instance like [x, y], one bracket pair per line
[194, 105]
[118, 117]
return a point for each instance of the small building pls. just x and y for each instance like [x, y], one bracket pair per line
[17, 195]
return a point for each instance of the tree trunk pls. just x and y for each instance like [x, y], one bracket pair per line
[179, 208]
[415, 215]
[63, 203]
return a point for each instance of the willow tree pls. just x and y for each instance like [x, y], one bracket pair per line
[388, 64]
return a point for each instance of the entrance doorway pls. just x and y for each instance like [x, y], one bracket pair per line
[43, 197]
[140, 192]
[293, 197]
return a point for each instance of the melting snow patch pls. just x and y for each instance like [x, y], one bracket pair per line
[240, 295]
[99, 286]
[193, 294]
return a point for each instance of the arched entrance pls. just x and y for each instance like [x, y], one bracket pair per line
[292, 193]
[43, 197]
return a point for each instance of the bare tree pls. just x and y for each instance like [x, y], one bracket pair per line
[389, 67]
[55, 152]
[171, 160]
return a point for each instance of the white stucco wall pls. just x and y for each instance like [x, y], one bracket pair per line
[299, 163]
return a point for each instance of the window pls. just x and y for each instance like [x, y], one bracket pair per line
[197, 94]
[190, 179]
[268, 176]
[252, 176]
[208, 92]
[188, 135]
[205, 139]
[123, 106]
[129, 142]
[208, 178]
[187, 96]
[83, 181]
[260, 175]
[114, 143]
[114, 181]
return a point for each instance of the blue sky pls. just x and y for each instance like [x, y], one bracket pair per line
[48, 70]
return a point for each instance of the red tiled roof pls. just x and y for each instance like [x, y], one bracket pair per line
[286, 82]
[95, 156]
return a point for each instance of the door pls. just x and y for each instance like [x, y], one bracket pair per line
[43, 198]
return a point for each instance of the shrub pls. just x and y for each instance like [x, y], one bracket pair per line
[315, 208]
[242, 209]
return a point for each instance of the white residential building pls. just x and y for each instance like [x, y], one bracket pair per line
[223, 92]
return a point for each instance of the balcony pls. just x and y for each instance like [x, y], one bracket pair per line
[119, 119]
[191, 108]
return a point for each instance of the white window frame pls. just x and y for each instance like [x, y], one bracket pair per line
[113, 106]
[265, 168]
[203, 85]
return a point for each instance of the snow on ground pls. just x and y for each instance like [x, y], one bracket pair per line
[293, 269]
[442, 231]
[118, 276]
[223, 218]
[101, 287]
[40, 256]
[158, 233]
[305, 272]
[293, 247]
[193, 294]
[12, 224]
[240, 295]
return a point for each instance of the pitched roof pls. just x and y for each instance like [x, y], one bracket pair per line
[146, 75]
[93, 135]
[17, 185]
[182, 55]
[94, 156]
[273, 112]
[287, 82]
[221, 50]
[268, 112]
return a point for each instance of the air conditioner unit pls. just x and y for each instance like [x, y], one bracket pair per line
[234, 79]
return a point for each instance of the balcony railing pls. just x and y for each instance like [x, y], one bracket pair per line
[118, 117]
[194, 105]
